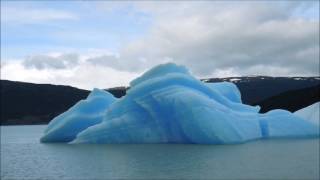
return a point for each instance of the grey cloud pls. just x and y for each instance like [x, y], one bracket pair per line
[209, 37]
[49, 62]
[105, 60]
[239, 37]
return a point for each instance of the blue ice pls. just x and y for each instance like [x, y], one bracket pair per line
[168, 105]
[310, 113]
[85, 113]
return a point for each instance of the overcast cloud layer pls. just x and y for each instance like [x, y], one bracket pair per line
[211, 38]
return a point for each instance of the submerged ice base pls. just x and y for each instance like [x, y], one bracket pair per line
[168, 105]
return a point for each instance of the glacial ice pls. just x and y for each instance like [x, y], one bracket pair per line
[85, 113]
[168, 105]
[310, 113]
[227, 89]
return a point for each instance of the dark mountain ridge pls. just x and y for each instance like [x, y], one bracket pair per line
[291, 100]
[23, 103]
[254, 89]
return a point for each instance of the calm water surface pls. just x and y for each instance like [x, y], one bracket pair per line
[23, 157]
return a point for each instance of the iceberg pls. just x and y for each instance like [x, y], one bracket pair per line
[168, 105]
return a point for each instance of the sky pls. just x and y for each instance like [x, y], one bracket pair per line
[104, 44]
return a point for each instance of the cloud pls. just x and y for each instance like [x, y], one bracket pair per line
[66, 69]
[111, 61]
[84, 74]
[51, 62]
[209, 39]
[213, 39]
[31, 15]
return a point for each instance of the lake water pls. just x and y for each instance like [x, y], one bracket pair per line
[23, 157]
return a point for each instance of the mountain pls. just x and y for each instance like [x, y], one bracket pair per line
[27, 103]
[118, 91]
[291, 100]
[254, 89]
